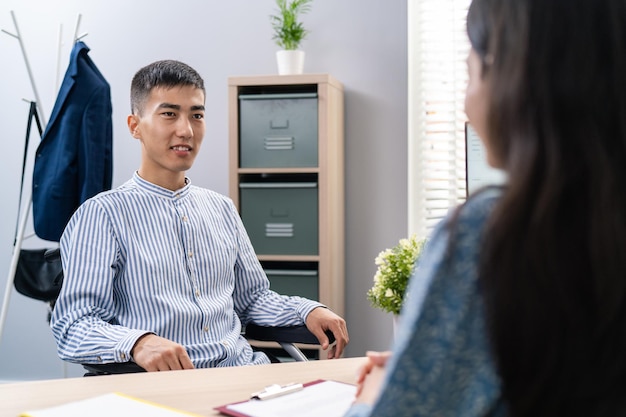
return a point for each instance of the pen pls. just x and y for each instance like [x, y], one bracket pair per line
[276, 390]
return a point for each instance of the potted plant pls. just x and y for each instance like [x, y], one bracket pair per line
[288, 33]
[395, 267]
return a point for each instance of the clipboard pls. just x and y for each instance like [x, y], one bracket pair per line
[315, 398]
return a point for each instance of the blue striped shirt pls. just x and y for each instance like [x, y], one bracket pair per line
[141, 258]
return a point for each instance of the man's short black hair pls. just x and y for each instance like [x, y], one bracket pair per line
[166, 73]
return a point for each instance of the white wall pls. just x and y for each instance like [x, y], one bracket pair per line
[363, 43]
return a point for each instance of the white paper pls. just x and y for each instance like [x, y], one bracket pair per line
[107, 405]
[327, 399]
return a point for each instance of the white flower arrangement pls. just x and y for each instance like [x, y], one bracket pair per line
[395, 267]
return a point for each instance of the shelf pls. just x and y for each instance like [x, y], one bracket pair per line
[268, 80]
[280, 118]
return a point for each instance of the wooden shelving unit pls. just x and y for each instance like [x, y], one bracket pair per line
[276, 95]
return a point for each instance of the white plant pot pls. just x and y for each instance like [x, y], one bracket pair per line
[396, 324]
[290, 62]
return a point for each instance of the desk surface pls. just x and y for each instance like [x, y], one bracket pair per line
[197, 391]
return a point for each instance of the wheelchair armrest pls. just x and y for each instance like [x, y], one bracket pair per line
[288, 334]
[112, 368]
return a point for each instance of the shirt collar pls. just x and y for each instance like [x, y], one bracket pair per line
[147, 186]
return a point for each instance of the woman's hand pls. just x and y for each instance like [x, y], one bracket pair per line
[370, 377]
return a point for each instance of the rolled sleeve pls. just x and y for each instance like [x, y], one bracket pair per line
[123, 349]
[305, 308]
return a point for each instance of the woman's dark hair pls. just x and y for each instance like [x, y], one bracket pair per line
[166, 73]
[553, 268]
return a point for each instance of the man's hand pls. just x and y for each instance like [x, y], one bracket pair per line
[370, 377]
[321, 319]
[155, 353]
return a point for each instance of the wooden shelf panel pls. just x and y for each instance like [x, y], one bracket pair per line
[285, 80]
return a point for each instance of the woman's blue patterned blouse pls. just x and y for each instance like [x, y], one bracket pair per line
[441, 364]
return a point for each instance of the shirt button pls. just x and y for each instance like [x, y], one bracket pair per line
[99, 359]
[185, 219]
[197, 293]
[190, 254]
[205, 328]
[123, 356]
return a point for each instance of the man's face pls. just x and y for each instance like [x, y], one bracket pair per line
[170, 129]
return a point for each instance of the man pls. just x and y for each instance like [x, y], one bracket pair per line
[161, 272]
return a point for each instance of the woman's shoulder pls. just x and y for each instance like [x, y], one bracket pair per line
[479, 205]
[461, 231]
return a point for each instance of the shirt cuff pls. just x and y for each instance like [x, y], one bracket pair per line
[125, 346]
[306, 307]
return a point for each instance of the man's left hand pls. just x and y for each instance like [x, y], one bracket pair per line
[321, 319]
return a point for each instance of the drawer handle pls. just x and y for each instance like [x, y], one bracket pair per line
[278, 229]
[279, 144]
[283, 124]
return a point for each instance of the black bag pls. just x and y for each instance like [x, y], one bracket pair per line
[37, 277]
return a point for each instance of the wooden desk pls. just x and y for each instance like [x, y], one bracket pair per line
[197, 391]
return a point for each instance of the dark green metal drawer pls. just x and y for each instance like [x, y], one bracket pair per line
[278, 130]
[281, 217]
[303, 283]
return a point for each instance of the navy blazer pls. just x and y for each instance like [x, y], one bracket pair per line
[74, 158]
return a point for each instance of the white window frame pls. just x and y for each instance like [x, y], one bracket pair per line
[438, 48]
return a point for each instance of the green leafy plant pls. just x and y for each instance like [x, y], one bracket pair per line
[288, 32]
[395, 267]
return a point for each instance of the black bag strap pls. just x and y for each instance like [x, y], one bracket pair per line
[32, 114]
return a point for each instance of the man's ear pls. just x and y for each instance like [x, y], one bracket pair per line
[133, 125]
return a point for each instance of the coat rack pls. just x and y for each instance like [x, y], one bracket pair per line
[23, 216]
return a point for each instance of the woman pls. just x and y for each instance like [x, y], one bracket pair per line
[518, 306]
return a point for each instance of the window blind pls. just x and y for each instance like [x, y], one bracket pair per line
[438, 48]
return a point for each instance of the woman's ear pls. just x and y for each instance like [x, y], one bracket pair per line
[133, 125]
